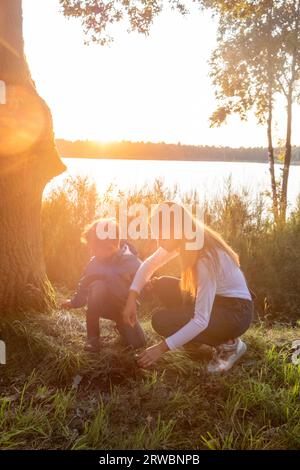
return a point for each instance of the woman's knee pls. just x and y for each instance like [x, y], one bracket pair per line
[159, 323]
[167, 289]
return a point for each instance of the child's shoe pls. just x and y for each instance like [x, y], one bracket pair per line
[92, 345]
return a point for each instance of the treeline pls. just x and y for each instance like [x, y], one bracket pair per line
[163, 151]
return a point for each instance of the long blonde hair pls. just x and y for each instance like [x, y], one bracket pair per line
[212, 241]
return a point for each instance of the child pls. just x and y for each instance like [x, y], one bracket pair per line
[104, 284]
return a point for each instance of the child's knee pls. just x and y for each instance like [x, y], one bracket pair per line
[167, 289]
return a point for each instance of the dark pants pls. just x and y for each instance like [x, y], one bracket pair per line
[230, 316]
[101, 304]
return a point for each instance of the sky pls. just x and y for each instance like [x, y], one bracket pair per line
[153, 88]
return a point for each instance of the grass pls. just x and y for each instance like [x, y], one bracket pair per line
[55, 396]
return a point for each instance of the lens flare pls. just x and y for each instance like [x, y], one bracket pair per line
[22, 121]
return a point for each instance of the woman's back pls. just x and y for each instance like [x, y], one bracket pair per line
[230, 280]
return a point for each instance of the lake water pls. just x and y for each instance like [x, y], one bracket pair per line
[207, 178]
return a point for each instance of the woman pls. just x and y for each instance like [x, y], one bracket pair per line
[221, 308]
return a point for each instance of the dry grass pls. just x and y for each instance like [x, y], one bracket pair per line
[55, 396]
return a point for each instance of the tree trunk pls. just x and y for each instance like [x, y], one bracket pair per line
[28, 160]
[288, 143]
[270, 69]
[271, 159]
[287, 157]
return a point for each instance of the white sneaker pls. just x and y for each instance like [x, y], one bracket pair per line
[227, 355]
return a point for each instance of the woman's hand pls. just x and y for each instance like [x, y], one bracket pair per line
[129, 313]
[152, 354]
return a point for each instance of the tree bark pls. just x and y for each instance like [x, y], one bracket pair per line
[28, 160]
[271, 160]
[287, 157]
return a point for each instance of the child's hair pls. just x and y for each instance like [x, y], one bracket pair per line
[101, 230]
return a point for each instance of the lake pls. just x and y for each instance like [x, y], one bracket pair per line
[207, 178]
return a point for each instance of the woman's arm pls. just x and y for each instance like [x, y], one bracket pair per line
[149, 266]
[206, 292]
[142, 276]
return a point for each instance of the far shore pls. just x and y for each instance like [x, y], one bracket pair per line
[127, 150]
[296, 163]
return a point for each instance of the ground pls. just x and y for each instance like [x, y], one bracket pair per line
[55, 396]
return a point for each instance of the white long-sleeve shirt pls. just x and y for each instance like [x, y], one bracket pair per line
[228, 281]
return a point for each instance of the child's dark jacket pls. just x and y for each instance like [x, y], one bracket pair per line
[117, 272]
